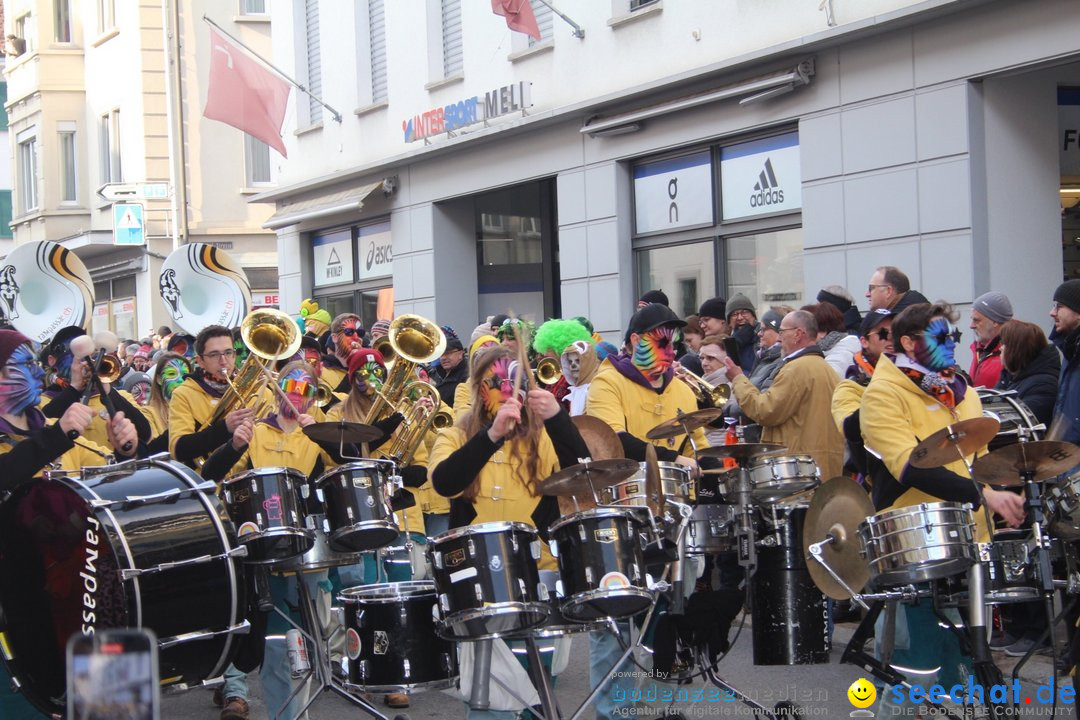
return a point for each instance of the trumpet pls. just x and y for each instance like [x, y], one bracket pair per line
[714, 395]
[548, 371]
[324, 395]
[110, 369]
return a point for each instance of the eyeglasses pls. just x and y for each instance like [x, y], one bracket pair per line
[785, 329]
[1054, 307]
[299, 387]
[219, 354]
[349, 332]
[742, 314]
[870, 288]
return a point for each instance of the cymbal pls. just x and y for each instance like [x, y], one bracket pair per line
[1045, 458]
[654, 492]
[575, 479]
[953, 441]
[740, 451]
[338, 432]
[837, 508]
[683, 423]
[601, 440]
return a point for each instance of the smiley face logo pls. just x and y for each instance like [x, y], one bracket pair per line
[862, 693]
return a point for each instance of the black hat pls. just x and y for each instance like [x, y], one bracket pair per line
[652, 316]
[453, 342]
[655, 296]
[164, 330]
[309, 341]
[772, 319]
[874, 318]
[714, 307]
[1068, 294]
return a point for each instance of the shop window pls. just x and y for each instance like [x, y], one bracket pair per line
[767, 267]
[686, 274]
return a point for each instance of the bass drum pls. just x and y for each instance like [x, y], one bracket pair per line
[1007, 408]
[140, 544]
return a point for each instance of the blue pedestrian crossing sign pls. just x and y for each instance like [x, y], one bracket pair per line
[128, 226]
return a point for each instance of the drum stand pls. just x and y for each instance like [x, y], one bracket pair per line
[321, 672]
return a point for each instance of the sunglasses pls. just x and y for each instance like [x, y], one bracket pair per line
[943, 337]
[298, 387]
[882, 334]
[349, 332]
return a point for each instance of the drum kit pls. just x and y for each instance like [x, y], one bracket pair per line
[934, 551]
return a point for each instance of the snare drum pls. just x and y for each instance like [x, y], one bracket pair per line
[391, 642]
[773, 478]
[144, 543]
[711, 529]
[674, 479]
[790, 617]
[918, 543]
[488, 582]
[264, 504]
[601, 564]
[1015, 416]
[358, 511]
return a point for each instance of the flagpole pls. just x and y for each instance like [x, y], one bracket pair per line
[578, 32]
[267, 63]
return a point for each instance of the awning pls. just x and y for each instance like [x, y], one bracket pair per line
[322, 206]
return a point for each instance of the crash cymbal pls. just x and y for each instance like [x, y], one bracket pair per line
[339, 432]
[741, 451]
[684, 422]
[654, 492]
[1045, 458]
[601, 440]
[954, 441]
[836, 510]
[575, 480]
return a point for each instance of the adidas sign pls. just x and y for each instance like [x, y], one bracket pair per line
[766, 190]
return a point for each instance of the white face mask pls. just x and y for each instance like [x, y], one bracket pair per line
[571, 361]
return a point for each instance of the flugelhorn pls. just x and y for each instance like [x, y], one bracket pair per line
[714, 395]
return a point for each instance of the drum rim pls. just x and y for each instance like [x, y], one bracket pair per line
[514, 607]
[942, 505]
[939, 570]
[259, 472]
[592, 595]
[278, 532]
[599, 511]
[367, 463]
[407, 689]
[402, 590]
[483, 529]
[770, 460]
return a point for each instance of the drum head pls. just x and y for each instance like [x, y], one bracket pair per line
[60, 577]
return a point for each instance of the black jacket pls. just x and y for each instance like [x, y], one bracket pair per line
[1037, 383]
[447, 382]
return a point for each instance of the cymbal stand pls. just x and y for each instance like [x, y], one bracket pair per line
[321, 672]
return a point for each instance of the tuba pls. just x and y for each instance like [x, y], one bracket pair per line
[201, 285]
[45, 287]
[413, 341]
[270, 335]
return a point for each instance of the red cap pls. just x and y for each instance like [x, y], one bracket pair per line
[363, 356]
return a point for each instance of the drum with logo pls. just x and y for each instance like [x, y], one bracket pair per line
[358, 511]
[264, 504]
[143, 543]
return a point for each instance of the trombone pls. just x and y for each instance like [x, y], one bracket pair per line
[548, 371]
[713, 395]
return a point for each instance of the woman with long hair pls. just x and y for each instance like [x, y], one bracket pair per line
[492, 461]
[169, 372]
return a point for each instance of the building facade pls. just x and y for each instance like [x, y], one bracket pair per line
[105, 103]
[698, 148]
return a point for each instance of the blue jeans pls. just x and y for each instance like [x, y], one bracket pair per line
[604, 651]
[275, 674]
[235, 684]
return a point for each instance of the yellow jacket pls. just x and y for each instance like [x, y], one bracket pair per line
[846, 399]
[630, 407]
[190, 410]
[86, 453]
[896, 415]
[270, 447]
[503, 496]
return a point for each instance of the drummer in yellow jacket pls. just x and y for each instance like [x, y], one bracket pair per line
[908, 399]
[635, 392]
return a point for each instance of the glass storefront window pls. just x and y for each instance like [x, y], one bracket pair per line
[685, 273]
[766, 267]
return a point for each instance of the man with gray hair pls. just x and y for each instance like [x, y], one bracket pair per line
[988, 313]
[796, 410]
[346, 335]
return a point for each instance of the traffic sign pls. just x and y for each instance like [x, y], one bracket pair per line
[128, 224]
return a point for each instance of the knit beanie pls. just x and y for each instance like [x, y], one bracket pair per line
[740, 302]
[995, 306]
[714, 308]
[362, 357]
[841, 303]
[9, 340]
[1068, 294]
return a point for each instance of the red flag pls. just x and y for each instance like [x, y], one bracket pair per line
[519, 16]
[245, 94]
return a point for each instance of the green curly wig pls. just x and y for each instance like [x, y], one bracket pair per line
[556, 335]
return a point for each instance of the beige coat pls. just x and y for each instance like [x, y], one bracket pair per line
[796, 411]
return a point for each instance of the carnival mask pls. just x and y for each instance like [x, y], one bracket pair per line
[498, 384]
[655, 352]
[299, 387]
[937, 347]
[20, 383]
[170, 376]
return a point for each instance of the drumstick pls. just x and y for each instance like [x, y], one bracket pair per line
[523, 364]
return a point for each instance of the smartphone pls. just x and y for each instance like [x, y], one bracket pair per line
[731, 347]
[113, 675]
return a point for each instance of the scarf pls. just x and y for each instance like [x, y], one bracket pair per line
[946, 386]
[625, 365]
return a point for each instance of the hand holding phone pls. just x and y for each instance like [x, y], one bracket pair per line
[731, 348]
[113, 674]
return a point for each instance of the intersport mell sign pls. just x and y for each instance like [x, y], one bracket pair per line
[504, 100]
